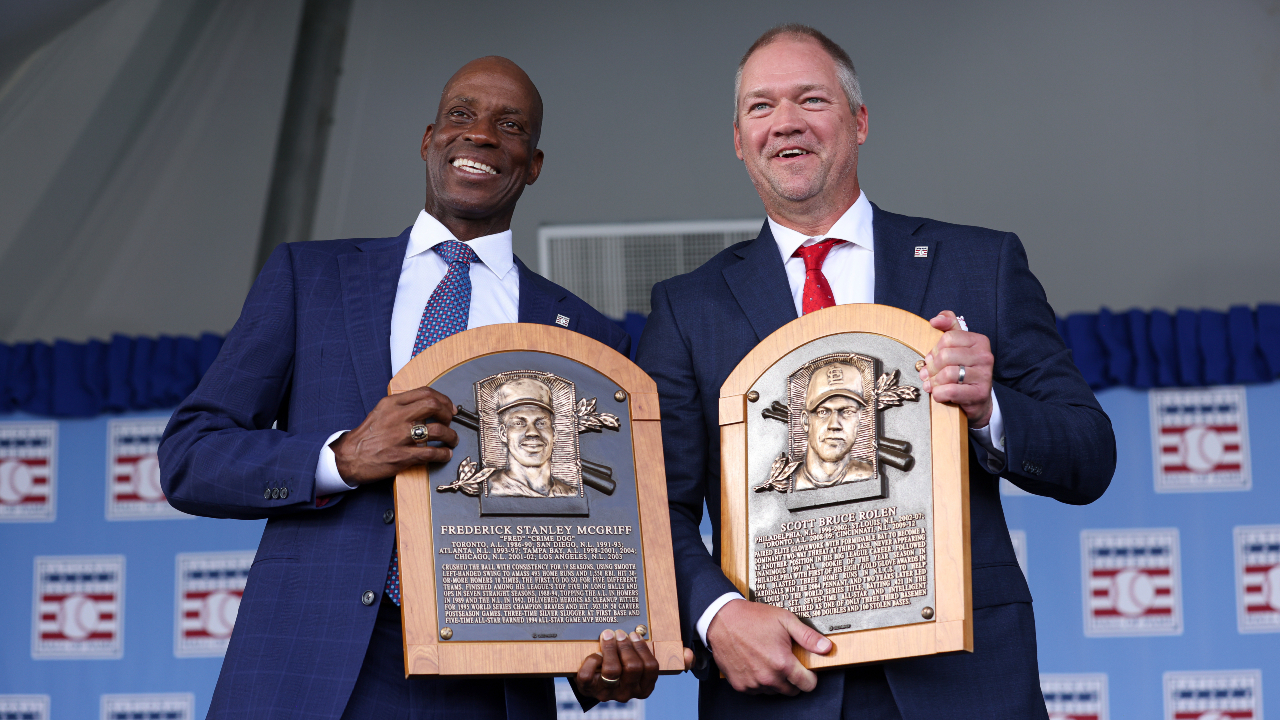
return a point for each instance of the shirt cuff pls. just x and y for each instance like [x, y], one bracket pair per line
[709, 614]
[328, 481]
[991, 438]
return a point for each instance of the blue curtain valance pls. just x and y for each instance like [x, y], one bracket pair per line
[68, 379]
[1135, 348]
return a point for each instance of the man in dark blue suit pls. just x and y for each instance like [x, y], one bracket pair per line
[798, 122]
[293, 423]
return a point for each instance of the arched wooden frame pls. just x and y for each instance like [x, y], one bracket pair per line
[424, 653]
[951, 628]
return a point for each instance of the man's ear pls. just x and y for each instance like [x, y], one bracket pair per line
[535, 167]
[737, 141]
[502, 431]
[426, 139]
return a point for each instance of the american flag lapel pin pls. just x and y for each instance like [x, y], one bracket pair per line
[922, 251]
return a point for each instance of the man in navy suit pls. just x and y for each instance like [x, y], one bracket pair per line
[293, 423]
[798, 122]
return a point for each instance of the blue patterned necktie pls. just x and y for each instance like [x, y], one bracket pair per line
[446, 313]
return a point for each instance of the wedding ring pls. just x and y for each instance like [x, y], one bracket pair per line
[961, 380]
[609, 681]
[419, 434]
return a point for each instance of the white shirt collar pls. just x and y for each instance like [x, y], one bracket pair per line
[493, 250]
[853, 226]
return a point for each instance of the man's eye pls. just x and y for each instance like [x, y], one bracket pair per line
[813, 100]
[759, 106]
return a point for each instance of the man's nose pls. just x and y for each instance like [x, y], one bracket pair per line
[788, 119]
[483, 134]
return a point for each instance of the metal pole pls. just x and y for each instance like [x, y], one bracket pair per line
[304, 129]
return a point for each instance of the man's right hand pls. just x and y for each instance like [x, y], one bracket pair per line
[751, 642]
[381, 446]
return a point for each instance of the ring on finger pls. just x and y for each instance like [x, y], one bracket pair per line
[961, 380]
[419, 434]
[610, 681]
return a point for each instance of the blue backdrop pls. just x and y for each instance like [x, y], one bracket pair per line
[1160, 600]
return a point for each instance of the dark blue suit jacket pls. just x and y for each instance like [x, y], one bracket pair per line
[1059, 442]
[310, 353]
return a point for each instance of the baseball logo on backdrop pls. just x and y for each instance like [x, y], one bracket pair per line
[209, 587]
[1213, 695]
[169, 706]
[24, 707]
[1200, 439]
[1131, 582]
[1075, 696]
[133, 471]
[78, 610]
[1257, 578]
[28, 471]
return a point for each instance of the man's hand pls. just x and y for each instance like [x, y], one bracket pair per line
[381, 447]
[941, 374]
[627, 661]
[751, 642]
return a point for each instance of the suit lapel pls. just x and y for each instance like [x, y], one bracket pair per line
[759, 284]
[370, 278]
[901, 276]
[539, 299]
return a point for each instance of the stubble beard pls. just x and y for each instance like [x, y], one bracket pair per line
[789, 190]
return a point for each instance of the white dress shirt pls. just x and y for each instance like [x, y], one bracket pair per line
[495, 298]
[850, 270]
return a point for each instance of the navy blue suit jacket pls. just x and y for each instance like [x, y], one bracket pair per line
[1059, 442]
[311, 354]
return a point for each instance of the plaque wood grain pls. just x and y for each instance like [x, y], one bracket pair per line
[425, 653]
[951, 628]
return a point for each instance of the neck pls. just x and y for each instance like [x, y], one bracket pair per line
[537, 478]
[814, 216]
[469, 228]
[822, 471]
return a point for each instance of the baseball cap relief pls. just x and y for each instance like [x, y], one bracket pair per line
[838, 378]
[523, 391]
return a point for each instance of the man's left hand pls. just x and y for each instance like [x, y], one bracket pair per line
[956, 349]
[627, 662]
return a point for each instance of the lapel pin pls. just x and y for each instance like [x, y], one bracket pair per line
[922, 251]
[562, 320]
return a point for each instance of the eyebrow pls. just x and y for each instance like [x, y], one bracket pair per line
[763, 92]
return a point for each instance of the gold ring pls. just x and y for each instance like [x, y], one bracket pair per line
[419, 434]
[609, 681]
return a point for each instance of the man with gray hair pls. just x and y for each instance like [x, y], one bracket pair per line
[799, 120]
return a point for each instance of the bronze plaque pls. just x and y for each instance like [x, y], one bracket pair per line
[543, 529]
[841, 485]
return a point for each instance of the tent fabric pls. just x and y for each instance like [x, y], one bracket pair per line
[1135, 349]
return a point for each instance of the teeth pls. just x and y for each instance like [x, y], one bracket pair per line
[473, 166]
[792, 153]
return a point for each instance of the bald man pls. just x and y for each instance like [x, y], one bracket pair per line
[292, 424]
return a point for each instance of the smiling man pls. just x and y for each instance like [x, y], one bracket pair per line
[292, 424]
[799, 121]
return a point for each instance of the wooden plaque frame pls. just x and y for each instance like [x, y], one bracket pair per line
[424, 653]
[951, 628]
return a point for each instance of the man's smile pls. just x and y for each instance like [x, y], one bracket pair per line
[473, 167]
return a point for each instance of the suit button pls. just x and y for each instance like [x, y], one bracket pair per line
[284, 493]
[267, 494]
[368, 597]
[275, 493]
[389, 517]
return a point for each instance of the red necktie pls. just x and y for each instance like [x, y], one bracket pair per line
[817, 293]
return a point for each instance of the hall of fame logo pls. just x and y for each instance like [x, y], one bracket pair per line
[151, 706]
[78, 610]
[28, 471]
[1131, 582]
[133, 471]
[1213, 695]
[1075, 696]
[24, 707]
[209, 587]
[1258, 578]
[1200, 439]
